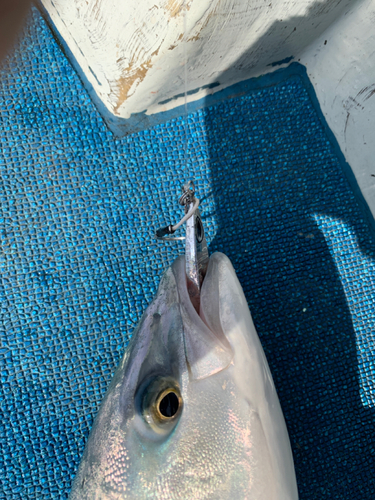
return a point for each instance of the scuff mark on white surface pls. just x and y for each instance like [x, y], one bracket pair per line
[341, 66]
[132, 53]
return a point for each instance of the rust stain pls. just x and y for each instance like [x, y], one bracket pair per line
[174, 7]
[95, 9]
[175, 45]
[136, 71]
[133, 74]
[194, 38]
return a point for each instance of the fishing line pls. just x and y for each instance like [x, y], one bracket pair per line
[162, 232]
[185, 80]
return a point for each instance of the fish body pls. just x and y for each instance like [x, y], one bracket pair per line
[192, 411]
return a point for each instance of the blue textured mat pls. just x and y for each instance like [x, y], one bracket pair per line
[78, 264]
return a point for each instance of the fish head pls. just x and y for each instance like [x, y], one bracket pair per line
[187, 414]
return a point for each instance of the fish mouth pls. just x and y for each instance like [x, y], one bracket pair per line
[207, 348]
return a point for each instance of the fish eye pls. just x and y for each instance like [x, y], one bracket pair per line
[167, 403]
[162, 404]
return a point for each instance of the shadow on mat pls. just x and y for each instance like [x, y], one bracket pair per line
[272, 171]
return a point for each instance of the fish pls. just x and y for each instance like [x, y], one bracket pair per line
[192, 410]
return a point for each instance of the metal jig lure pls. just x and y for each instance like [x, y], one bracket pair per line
[196, 252]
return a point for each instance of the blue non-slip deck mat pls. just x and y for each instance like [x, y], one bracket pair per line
[79, 264]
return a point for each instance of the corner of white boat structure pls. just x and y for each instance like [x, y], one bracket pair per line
[131, 57]
[341, 67]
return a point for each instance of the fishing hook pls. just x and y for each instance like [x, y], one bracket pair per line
[196, 252]
[186, 199]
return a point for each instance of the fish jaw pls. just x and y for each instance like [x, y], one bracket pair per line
[230, 440]
[224, 306]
